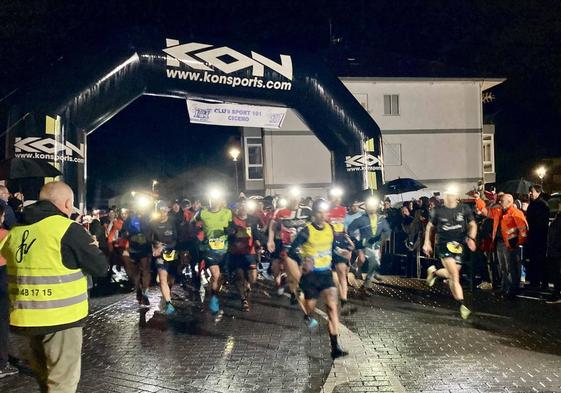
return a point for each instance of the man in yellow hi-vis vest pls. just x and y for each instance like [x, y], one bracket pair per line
[47, 257]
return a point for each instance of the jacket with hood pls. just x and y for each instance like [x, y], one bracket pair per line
[77, 252]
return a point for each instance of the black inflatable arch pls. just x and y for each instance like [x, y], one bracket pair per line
[50, 119]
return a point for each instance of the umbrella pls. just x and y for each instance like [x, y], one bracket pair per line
[520, 186]
[20, 168]
[400, 186]
[487, 194]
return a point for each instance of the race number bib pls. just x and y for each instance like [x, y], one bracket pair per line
[455, 247]
[339, 227]
[217, 244]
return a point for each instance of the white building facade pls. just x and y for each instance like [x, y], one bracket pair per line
[432, 131]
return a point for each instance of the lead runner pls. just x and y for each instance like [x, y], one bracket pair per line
[455, 226]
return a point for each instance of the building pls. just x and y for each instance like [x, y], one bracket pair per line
[432, 131]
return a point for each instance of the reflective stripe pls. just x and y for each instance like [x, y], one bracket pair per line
[47, 304]
[40, 280]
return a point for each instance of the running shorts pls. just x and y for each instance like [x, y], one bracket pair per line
[315, 282]
[245, 262]
[452, 250]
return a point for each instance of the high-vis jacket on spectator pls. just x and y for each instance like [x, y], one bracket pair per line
[514, 227]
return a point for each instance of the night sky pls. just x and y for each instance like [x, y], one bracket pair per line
[519, 40]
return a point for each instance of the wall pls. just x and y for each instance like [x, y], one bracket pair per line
[438, 131]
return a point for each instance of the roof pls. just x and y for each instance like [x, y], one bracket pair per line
[371, 64]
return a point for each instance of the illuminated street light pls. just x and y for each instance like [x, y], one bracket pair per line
[154, 184]
[541, 172]
[133, 194]
[234, 153]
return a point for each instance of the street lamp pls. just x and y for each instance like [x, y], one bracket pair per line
[235, 154]
[541, 171]
[154, 184]
[133, 194]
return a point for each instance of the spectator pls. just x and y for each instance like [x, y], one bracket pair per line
[480, 206]
[510, 230]
[538, 222]
[9, 215]
[554, 255]
[54, 247]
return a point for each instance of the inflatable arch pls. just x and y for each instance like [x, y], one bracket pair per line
[51, 117]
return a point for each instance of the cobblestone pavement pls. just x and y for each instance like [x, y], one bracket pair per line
[403, 338]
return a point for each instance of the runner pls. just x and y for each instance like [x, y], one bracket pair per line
[455, 226]
[244, 237]
[355, 211]
[137, 253]
[373, 230]
[343, 247]
[214, 222]
[283, 229]
[313, 249]
[164, 240]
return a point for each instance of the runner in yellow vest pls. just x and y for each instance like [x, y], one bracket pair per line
[47, 258]
[313, 250]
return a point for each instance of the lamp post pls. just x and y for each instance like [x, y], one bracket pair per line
[235, 153]
[541, 172]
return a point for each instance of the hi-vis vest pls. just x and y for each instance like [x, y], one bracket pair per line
[43, 292]
[319, 247]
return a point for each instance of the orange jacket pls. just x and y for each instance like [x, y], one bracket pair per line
[513, 225]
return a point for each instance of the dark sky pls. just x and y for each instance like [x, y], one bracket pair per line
[519, 40]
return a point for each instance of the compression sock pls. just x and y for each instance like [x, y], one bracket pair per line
[334, 342]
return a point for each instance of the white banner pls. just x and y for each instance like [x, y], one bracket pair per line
[232, 114]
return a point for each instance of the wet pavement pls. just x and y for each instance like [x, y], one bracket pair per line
[403, 338]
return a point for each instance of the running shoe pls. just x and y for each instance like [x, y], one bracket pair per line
[464, 312]
[145, 300]
[431, 276]
[354, 270]
[169, 309]
[348, 309]
[8, 371]
[280, 291]
[337, 352]
[213, 304]
[245, 305]
[311, 323]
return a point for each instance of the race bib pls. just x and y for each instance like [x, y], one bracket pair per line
[217, 244]
[455, 247]
[339, 227]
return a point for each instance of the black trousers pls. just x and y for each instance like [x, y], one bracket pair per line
[4, 316]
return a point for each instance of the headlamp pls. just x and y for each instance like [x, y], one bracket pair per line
[336, 192]
[372, 202]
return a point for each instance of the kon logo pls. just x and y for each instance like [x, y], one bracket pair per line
[361, 161]
[202, 57]
[48, 146]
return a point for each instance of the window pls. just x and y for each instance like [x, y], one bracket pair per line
[392, 154]
[254, 159]
[488, 153]
[391, 104]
